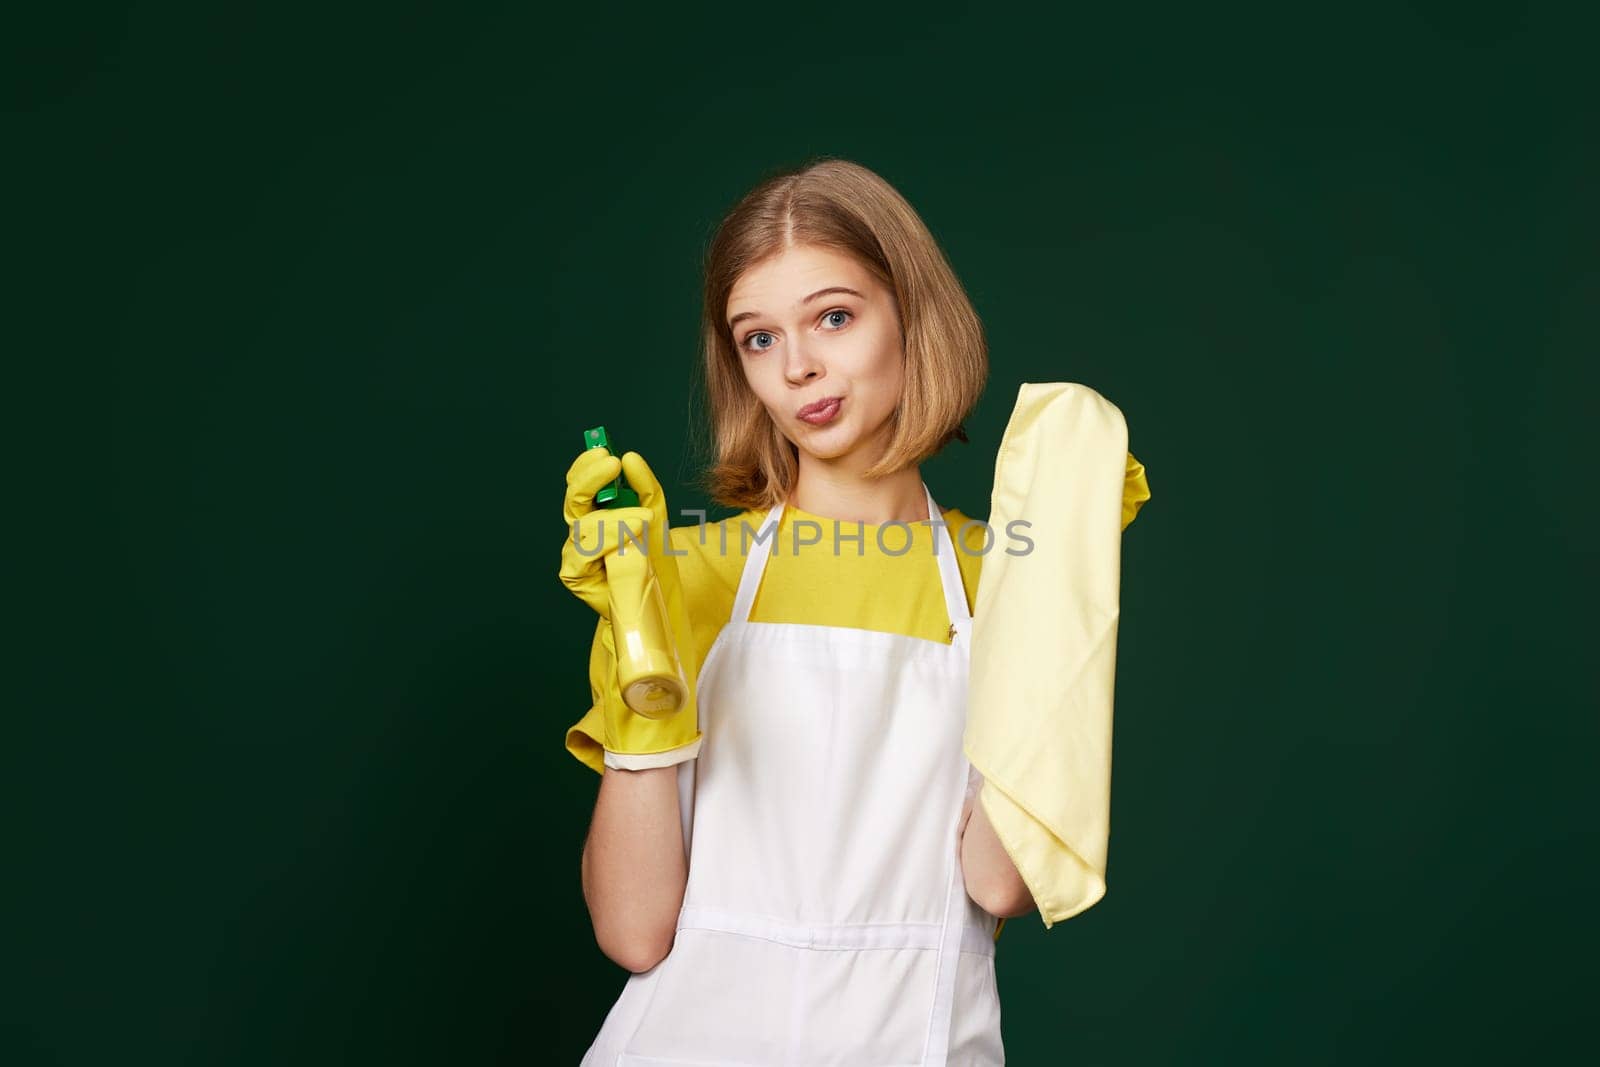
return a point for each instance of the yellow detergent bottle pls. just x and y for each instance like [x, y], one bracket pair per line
[649, 672]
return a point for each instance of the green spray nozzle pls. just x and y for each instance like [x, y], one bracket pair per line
[618, 494]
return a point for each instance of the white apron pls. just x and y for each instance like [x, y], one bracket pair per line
[825, 919]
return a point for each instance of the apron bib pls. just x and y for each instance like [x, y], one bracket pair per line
[825, 919]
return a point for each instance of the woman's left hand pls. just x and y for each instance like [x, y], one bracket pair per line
[992, 880]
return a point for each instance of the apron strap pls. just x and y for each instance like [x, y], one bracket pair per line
[936, 1049]
[755, 563]
[955, 593]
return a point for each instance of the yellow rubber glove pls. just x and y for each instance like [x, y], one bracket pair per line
[1135, 490]
[630, 740]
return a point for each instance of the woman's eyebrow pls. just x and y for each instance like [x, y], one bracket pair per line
[820, 292]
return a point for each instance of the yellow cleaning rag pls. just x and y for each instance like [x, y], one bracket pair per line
[1044, 642]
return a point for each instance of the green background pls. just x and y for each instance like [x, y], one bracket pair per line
[311, 308]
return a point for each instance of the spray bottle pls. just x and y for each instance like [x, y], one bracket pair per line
[649, 671]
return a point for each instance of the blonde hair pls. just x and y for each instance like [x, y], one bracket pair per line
[840, 205]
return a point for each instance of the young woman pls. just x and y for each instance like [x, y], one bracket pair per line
[793, 866]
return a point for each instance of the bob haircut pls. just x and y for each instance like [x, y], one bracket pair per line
[840, 205]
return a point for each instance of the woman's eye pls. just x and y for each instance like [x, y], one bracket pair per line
[753, 343]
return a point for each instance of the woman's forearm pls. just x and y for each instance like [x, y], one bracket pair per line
[992, 879]
[634, 867]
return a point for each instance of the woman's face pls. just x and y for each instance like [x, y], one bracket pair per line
[810, 324]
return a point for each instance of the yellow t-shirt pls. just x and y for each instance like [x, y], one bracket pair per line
[876, 583]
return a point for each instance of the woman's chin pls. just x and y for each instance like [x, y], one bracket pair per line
[835, 441]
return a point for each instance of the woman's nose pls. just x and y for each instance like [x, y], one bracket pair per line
[800, 365]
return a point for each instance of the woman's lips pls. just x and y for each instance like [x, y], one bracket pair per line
[823, 412]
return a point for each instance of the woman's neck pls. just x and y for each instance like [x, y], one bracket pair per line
[834, 494]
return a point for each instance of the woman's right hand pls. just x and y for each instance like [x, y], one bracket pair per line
[631, 741]
[597, 531]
